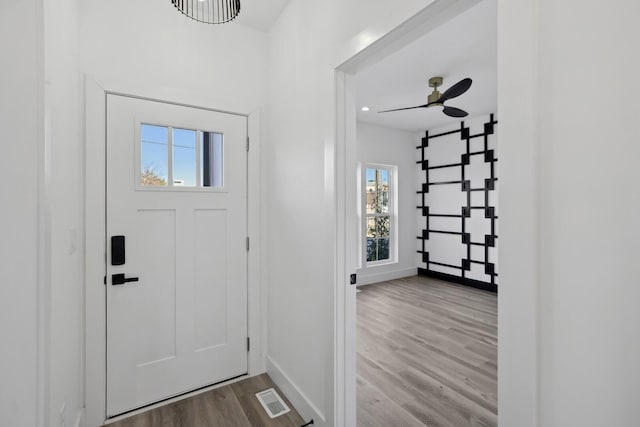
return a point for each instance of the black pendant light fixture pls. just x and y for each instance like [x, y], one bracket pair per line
[209, 11]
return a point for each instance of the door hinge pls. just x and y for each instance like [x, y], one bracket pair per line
[105, 280]
[248, 143]
[247, 244]
[248, 344]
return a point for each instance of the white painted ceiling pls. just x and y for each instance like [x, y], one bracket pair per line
[260, 14]
[466, 46]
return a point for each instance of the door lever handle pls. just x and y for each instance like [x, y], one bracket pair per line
[119, 279]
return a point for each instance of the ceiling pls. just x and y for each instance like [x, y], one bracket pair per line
[465, 46]
[260, 14]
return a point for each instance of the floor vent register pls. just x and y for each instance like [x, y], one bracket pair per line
[272, 403]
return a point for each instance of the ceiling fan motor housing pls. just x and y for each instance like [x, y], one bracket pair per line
[434, 82]
[433, 98]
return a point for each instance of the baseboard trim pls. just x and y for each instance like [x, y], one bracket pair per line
[298, 399]
[459, 280]
[387, 275]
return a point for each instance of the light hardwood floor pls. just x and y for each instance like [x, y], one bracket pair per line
[233, 405]
[426, 355]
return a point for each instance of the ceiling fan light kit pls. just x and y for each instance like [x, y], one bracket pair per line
[436, 99]
[209, 11]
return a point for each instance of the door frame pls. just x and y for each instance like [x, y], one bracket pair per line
[95, 238]
[518, 303]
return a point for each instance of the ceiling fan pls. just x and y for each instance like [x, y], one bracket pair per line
[437, 100]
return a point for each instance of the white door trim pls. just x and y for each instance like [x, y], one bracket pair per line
[518, 323]
[346, 253]
[95, 243]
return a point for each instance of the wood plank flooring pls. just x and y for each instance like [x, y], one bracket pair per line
[233, 405]
[426, 355]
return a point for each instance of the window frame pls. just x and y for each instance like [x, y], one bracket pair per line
[392, 171]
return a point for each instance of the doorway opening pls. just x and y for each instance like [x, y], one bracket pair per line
[446, 225]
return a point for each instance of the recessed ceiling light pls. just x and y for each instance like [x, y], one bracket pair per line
[365, 108]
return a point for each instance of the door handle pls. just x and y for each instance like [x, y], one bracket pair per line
[119, 279]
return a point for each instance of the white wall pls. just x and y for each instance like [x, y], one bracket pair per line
[300, 203]
[42, 129]
[382, 145]
[518, 304]
[65, 163]
[20, 121]
[589, 225]
[149, 47]
[300, 214]
[569, 213]
[359, 20]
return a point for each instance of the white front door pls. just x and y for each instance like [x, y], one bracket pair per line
[176, 236]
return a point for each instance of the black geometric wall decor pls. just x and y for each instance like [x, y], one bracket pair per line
[470, 185]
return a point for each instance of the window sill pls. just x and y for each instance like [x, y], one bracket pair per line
[373, 264]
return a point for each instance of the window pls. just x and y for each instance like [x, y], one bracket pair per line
[379, 213]
[154, 146]
[179, 157]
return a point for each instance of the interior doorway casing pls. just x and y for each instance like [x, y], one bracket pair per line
[95, 244]
[518, 319]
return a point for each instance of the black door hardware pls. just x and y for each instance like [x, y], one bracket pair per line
[119, 279]
[117, 250]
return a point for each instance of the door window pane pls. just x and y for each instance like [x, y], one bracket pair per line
[212, 160]
[154, 155]
[184, 157]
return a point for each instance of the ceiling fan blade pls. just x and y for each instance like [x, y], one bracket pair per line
[454, 112]
[456, 90]
[407, 108]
